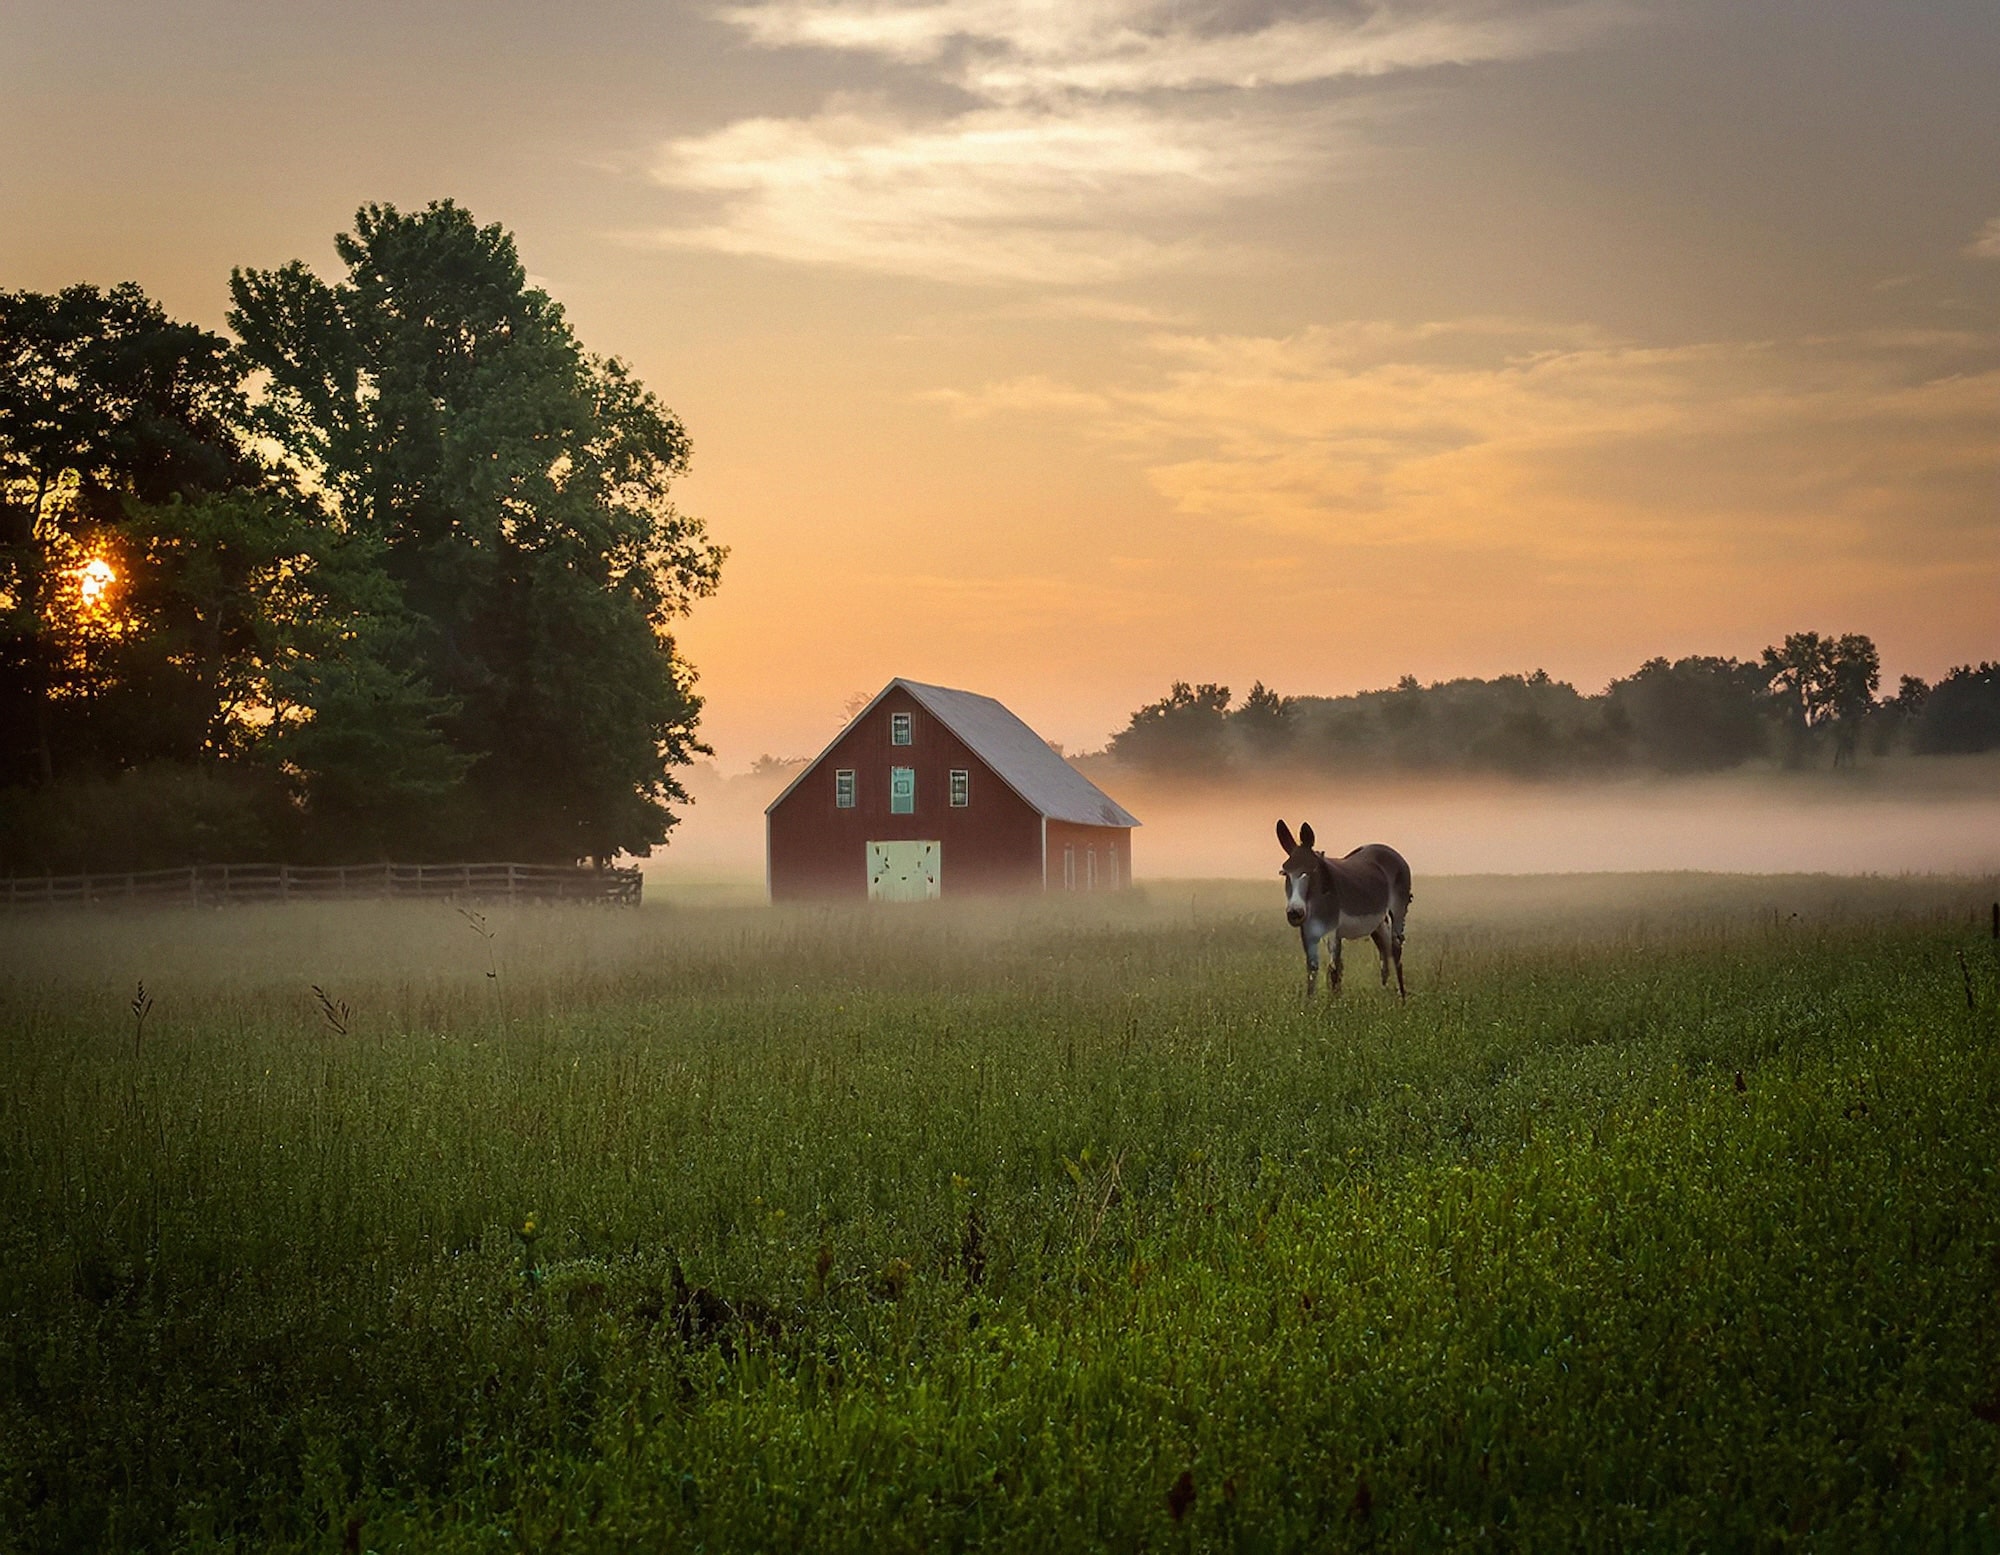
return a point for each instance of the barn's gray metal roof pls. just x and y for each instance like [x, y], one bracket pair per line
[1018, 756]
[1021, 758]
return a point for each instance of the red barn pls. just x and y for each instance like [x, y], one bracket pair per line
[931, 790]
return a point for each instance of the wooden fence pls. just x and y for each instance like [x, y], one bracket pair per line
[214, 884]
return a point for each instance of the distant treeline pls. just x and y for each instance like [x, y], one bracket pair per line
[1810, 700]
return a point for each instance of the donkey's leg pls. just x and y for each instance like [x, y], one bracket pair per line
[1397, 919]
[1333, 979]
[1383, 940]
[1311, 942]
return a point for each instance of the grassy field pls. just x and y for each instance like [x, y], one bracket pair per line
[1663, 1216]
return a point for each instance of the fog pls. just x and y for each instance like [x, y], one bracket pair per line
[1887, 816]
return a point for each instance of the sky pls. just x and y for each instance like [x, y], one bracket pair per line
[1060, 351]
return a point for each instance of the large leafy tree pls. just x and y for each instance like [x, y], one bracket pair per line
[1698, 714]
[109, 410]
[1825, 682]
[1185, 731]
[1263, 723]
[517, 492]
[1958, 715]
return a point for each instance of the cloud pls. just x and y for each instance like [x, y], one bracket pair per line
[1094, 139]
[1495, 434]
[1003, 194]
[1016, 50]
[1092, 307]
[1987, 244]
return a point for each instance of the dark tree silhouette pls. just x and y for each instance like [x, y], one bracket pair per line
[516, 491]
[1961, 713]
[1185, 731]
[1264, 724]
[105, 403]
[1697, 714]
[1825, 682]
[415, 595]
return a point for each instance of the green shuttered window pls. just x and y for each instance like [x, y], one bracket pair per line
[902, 790]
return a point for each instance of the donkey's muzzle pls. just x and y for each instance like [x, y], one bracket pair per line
[1294, 917]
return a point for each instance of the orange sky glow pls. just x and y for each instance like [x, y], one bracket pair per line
[1060, 351]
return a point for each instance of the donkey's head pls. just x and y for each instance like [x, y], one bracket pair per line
[1302, 869]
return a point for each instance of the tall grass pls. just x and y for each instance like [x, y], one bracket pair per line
[1662, 1215]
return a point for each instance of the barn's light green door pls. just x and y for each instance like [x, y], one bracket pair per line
[904, 871]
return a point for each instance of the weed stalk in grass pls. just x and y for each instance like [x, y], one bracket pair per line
[336, 1011]
[141, 1006]
[476, 921]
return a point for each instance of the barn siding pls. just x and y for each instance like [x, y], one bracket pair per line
[1083, 839]
[816, 850]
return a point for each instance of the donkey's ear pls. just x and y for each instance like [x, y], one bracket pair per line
[1306, 835]
[1285, 838]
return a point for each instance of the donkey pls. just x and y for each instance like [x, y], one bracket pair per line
[1363, 896]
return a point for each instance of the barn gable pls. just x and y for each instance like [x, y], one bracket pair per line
[1017, 755]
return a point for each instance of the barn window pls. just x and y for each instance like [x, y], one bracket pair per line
[1069, 867]
[843, 789]
[961, 788]
[1090, 869]
[902, 790]
[899, 728]
[1111, 866]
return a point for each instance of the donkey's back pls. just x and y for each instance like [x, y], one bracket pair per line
[1395, 871]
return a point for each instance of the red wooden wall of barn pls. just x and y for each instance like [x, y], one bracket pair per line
[1099, 858]
[992, 844]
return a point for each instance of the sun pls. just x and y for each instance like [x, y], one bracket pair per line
[93, 582]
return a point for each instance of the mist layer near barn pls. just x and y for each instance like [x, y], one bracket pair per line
[1891, 816]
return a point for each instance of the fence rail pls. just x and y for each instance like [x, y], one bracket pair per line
[214, 884]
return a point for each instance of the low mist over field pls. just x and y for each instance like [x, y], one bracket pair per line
[1937, 815]
[1947, 823]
